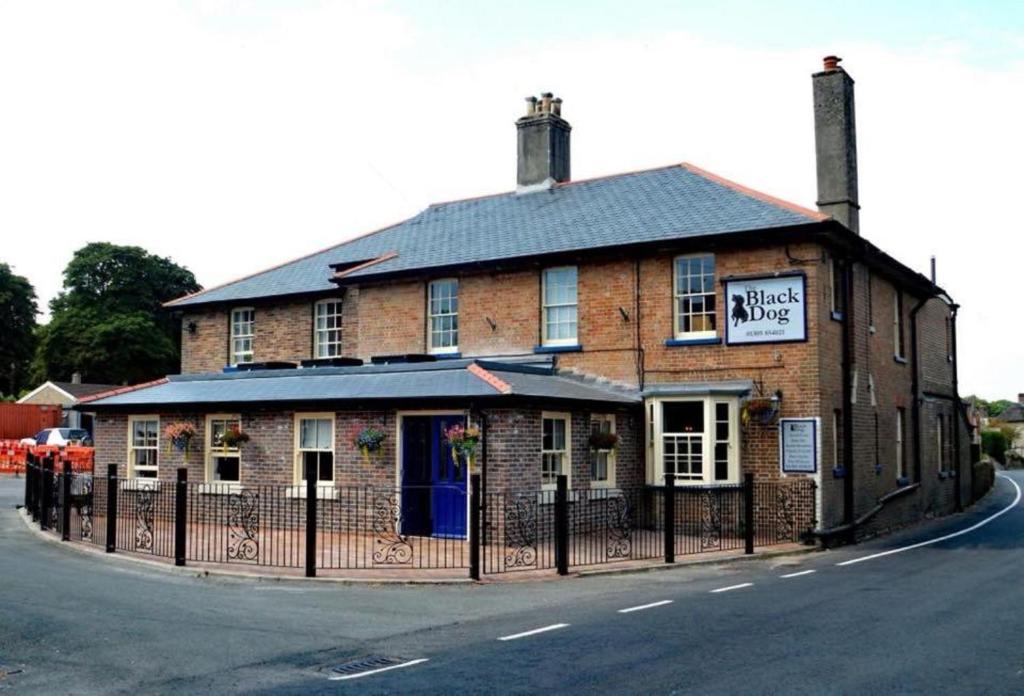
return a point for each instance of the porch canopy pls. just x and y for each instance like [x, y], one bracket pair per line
[503, 380]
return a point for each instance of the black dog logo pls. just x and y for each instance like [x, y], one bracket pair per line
[739, 312]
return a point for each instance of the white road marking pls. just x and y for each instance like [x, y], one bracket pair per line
[543, 629]
[646, 606]
[733, 587]
[410, 663]
[944, 537]
[796, 575]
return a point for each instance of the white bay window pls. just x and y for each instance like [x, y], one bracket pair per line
[695, 438]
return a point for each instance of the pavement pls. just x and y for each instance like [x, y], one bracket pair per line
[914, 616]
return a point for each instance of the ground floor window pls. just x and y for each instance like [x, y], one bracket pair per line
[143, 446]
[314, 446]
[694, 438]
[602, 450]
[555, 448]
[223, 456]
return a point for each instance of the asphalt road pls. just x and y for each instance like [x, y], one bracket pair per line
[941, 618]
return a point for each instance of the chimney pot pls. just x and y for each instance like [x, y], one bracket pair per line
[531, 106]
[76, 378]
[832, 62]
[556, 106]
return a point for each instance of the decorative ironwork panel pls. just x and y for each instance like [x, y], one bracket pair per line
[83, 502]
[144, 509]
[520, 533]
[620, 527]
[784, 514]
[391, 547]
[710, 519]
[55, 501]
[244, 526]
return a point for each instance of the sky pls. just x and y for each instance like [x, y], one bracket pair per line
[230, 135]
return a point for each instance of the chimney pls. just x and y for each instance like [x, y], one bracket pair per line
[835, 144]
[76, 378]
[543, 144]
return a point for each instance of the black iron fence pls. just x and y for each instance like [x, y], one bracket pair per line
[313, 527]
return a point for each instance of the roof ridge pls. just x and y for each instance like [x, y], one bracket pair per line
[754, 193]
[493, 380]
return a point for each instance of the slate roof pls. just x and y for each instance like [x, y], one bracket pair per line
[676, 202]
[467, 379]
[1014, 413]
[78, 390]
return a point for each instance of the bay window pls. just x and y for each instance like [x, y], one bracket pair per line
[695, 438]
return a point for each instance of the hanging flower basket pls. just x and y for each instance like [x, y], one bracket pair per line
[603, 441]
[464, 442]
[179, 436]
[763, 409]
[369, 441]
[233, 437]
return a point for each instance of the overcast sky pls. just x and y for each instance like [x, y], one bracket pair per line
[231, 135]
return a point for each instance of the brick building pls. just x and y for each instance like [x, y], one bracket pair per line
[715, 330]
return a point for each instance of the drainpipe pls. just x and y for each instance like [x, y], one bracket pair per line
[849, 515]
[957, 407]
[915, 386]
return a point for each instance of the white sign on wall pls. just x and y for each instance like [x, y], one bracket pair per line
[798, 445]
[766, 310]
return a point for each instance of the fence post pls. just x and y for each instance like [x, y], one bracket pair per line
[474, 526]
[311, 474]
[46, 493]
[562, 525]
[669, 523]
[65, 503]
[180, 508]
[28, 480]
[111, 508]
[748, 511]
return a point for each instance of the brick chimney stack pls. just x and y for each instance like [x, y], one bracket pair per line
[835, 144]
[543, 144]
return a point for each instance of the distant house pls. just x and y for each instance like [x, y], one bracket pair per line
[66, 395]
[1013, 416]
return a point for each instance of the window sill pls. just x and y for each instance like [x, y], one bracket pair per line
[900, 359]
[903, 481]
[943, 475]
[323, 491]
[220, 488]
[671, 342]
[574, 348]
[140, 484]
[452, 355]
[607, 487]
[836, 316]
[838, 472]
[546, 496]
[871, 329]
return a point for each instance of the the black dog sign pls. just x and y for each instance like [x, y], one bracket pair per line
[766, 310]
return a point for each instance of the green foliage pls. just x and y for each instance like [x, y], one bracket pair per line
[18, 310]
[993, 409]
[994, 443]
[108, 322]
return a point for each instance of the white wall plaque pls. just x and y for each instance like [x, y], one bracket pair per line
[771, 309]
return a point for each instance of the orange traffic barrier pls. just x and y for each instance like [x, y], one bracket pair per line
[13, 456]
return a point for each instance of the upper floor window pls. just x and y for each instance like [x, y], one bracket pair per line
[443, 316]
[327, 329]
[243, 330]
[559, 306]
[898, 347]
[695, 296]
[835, 272]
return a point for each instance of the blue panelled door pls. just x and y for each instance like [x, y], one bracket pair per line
[433, 484]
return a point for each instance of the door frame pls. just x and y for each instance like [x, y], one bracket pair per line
[399, 445]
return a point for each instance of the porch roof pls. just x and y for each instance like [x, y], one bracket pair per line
[448, 379]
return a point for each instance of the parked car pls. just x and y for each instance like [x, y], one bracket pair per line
[60, 437]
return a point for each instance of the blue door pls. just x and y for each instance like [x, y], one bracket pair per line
[433, 483]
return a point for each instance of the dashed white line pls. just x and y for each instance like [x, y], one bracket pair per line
[945, 537]
[410, 663]
[645, 606]
[543, 629]
[796, 575]
[732, 587]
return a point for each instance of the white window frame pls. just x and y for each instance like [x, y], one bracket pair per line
[212, 452]
[566, 452]
[901, 463]
[237, 336]
[678, 296]
[131, 468]
[573, 340]
[323, 346]
[609, 454]
[708, 439]
[299, 479]
[433, 348]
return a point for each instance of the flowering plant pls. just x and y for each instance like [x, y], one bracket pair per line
[180, 434]
[762, 407]
[603, 441]
[463, 442]
[369, 440]
[234, 436]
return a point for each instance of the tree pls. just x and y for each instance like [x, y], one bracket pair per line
[108, 322]
[18, 311]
